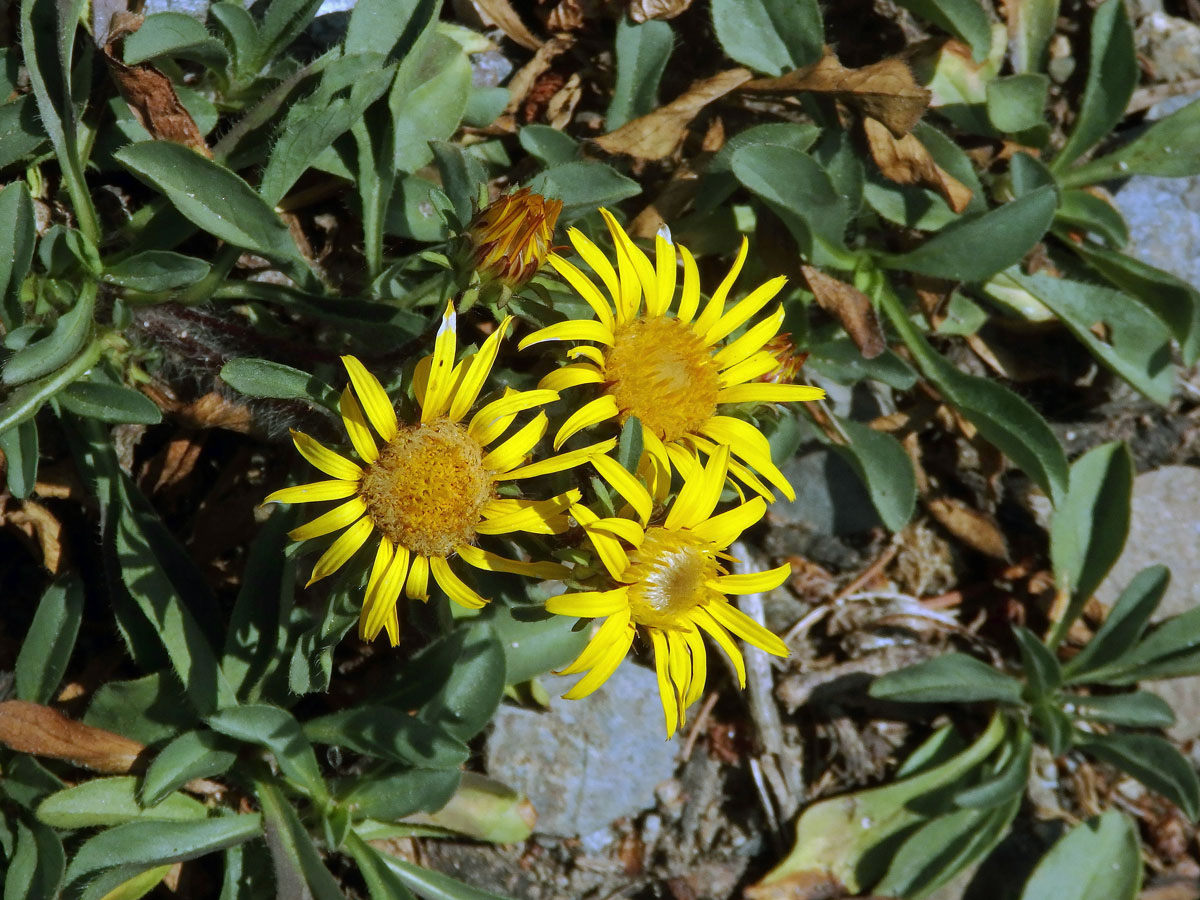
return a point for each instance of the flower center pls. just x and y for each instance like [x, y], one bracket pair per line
[660, 371]
[426, 490]
[670, 572]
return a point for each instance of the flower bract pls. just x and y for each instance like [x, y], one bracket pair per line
[426, 490]
[511, 237]
[673, 365]
[669, 582]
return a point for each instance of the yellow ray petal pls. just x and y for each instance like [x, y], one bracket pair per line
[612, 630]
[374, 399]
[744, 310]
[571, 330]
[745, 627]
[769, 393]
[589, 604]
[666, 271]
[699, 666]
[608, 548]
[560, 463]
[570, 376]
[314, 492]
[591, 413]
[337, 518]
[625, 484]
[356, 427]
[517, 448]
[342, 549]
[381, 603]
[699, 496]
[491, 562]
[383, 556]
[596, 261]
[736, 469]
[758, 365]
[666, 687]
[456, 589]
[332, 464]
[585, 288]
[392, 626]
[609, 659]
[654, 468]
[689, 297]
[751, 445]
[626, 529]
[751, 342]
[724, 529]
[684, 461]
[752, 582]
[493, 418]
[416, 587]
[679, 668]
[715, 307]
[637, 260]
[437, 393]
[506, 515]
[479, 367]
[721, 636]
[587, 351]
[420, 379]
[630, 295]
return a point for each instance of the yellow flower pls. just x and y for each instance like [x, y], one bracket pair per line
[511, 237]
[671, 584]
[430, 488]
[675, 373]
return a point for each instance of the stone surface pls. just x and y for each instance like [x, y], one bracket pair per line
[1170, 44]
[586, 762]
[1165, 529]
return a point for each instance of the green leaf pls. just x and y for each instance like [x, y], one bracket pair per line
[35, 870]
[1154, 762]
[1112, 76]
[1031, 26]
[174, 35]
[1138, 349]
[193, 754]
[147, 709]
[462, 174]
[282, 24]
[144, 844]
[1089, 527]
[16, 250]
[885, 469]
[241, 33]
[390, 27]
[278, 731]
[263, 378]
[813, 210]
[1170, 651]
[972, 249]
[642, 54]
[950, 678]
[770, 36]
[840, 360]
[1093, 215]
[382, 882]
[211, 197]
[1008, 782]
[112, 801]
[1124, 626]
[24, 401]
[1139, 709]
[548, 145]
[1054, 726]
[427, 99]
[583, 186]
[389, 733]
[114, 885]
[58, 348]
[1016, 103]
[414, 213]
[1070, 871]
[47, 647]
[433, 885]
[21, 134]
[964, 19]
[299, 871]
[467, 700]
[156, 270]
[533, 646]
[107, 402]
[390, 798]
[629, 446]
[1165, 149]
[21, 451]
[1039, 664]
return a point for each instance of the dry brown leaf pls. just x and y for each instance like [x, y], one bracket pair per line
[972, 527]
[657, 135]
[851, 306]
[641, 10]
[811, 885]
[42, 731]
[211, 410]
[562, 105]
[906, 161]
[527, 76]
[504, 17]
[885, 90]
[41, 527]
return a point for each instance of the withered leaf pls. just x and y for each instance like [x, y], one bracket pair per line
[885, 90]
[506, 19]
[905, 160]
[657, 134]
[523, 82]
[42, 731]
[851, 306]
[41, 527]
[808, 885]
[972, 527]
[642, 10]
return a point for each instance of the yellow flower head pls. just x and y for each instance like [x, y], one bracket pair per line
[511, 237]
[671, 583]
[675, 373]
[428, 489]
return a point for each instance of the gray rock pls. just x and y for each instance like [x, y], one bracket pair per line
[1171, 44]
[1165, 529]
[830, 497]
[585, 763]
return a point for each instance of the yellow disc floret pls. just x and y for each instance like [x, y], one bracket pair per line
[670, 572]
[428, 487]
[660, 371]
